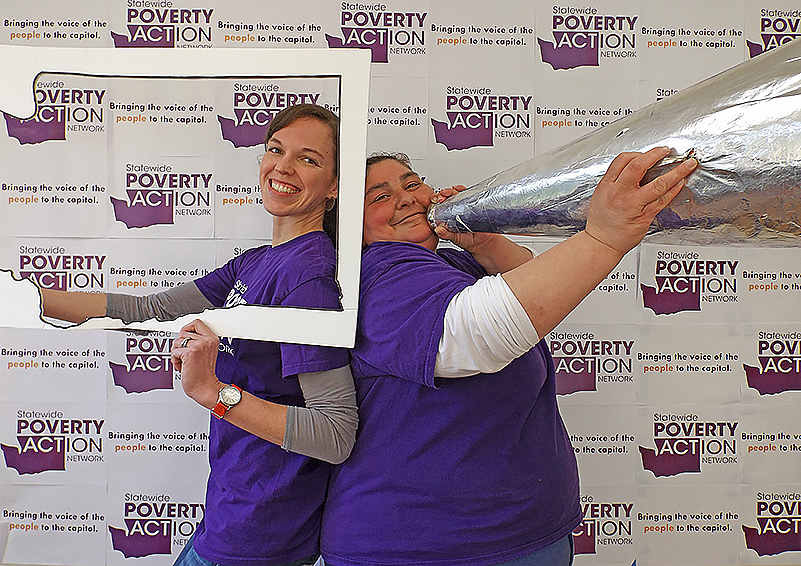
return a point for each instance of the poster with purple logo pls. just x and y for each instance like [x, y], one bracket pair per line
[588, 40]
[53, 443]
[397, 34]
[478, 116]
[69, 126]
[769, 525]
[771, 363]
[606, 533]
[594, 363]
[67, 108]
[769, 25]
[180, 24]
[139, 368]
[156, 188]
[481, 105]
[683, 284]
[149, 524]
[61, 264]
[683, 445]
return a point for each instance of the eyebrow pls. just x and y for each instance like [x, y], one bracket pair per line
[386, 183]
[309, 149]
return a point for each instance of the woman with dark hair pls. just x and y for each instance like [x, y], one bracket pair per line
[280, 412]
[462, 458]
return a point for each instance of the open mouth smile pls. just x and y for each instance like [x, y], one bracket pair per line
[280, 187]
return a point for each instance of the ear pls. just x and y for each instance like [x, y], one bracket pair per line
[334, 192]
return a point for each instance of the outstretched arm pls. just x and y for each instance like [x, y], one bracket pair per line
[72, 306]
[490, 323]
[552, 284]
[186, 298]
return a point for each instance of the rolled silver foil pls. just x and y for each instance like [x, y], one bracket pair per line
[742, 125]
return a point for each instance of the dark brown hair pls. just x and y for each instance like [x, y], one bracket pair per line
[380, 156]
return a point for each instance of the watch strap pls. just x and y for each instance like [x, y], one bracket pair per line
[221, 408]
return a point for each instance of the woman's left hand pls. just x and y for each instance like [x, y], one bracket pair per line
[194, 354]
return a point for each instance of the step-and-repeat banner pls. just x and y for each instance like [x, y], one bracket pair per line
[679, 377]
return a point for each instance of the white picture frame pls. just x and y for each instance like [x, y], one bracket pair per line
[19, 67]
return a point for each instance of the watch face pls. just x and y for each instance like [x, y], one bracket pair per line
[230, 395]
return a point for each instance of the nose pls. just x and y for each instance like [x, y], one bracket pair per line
[284, 165]
[405, 198]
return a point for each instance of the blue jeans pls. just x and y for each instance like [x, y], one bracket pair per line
[189, 557]
[559, 553]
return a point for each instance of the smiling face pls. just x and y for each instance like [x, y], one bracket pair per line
[297, 173]
[395, 205]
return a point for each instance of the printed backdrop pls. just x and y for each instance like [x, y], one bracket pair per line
[679, 377]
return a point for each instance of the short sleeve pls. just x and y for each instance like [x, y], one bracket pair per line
[401, 313]
[216, 285]
[316, 293]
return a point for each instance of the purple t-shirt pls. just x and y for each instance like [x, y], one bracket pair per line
[445, 472]
[263, 504]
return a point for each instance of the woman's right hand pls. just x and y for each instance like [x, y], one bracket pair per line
[621, 211]
[494, 252]
[471, 242]
[194, 355]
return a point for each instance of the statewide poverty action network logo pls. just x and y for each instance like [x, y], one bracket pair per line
[46, 441]
[684, 281]
[776, 27]
[148, 366]
[582, 37]
[778, 366]
[603, 524]
[255, 105]
[156, 195]
[52, 267]
[475, 117]
[778, 518]
[683, 442]
[383, 32]
[164, 26]
[582, 360]
[59, 109]
[154, 523]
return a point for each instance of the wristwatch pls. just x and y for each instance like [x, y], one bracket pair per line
[228, 396]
